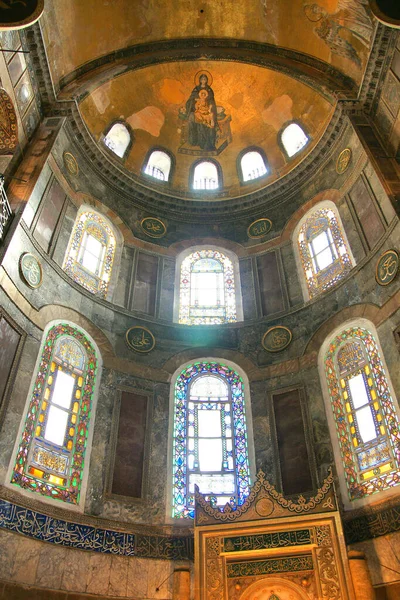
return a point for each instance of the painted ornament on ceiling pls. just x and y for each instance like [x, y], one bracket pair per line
[206, 129]
[8, 124]
[347, 31]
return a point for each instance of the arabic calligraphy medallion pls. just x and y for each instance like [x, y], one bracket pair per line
[343, 161]
[259, 228]
[153, 227]
[16, 14]
[70, 163]
[140, 339]
[387, 267]
[31, 270]
[276, 338]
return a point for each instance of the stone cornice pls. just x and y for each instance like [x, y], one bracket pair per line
[185, 208]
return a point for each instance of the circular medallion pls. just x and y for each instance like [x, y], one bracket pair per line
[70, 163]
[276, 339]
[17, 14]
[343, 160]
[264, 507]
[153, 227]
[31, 270]
[387, 267]
[140, 339]
[259, 228]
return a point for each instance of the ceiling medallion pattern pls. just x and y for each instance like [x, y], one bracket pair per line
[343, 161]
[71, 163]
[140, 339]
[31, 270]
[259, 228]
[387, 267]
[153, 227]
[276, 339]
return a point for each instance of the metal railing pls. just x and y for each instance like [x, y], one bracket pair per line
[5, 209]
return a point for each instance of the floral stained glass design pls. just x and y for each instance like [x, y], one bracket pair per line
[51, 454]
[91, 253]
[210, 439]
[207, 289]
[324, 254]
[366, 421]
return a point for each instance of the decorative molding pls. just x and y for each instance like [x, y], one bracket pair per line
[262, 490]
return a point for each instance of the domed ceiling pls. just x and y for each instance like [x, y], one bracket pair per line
[338, 32]
[253, 104]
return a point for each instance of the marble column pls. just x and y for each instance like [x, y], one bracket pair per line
[181, 590]
[361, 577]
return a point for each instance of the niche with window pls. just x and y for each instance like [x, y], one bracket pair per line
[118, 139]
[207, 289]
[52, 450]
[364, 413]
[158, 165]
[293, 139]
[253, 165]
[324, 252]
[91, 251]
[209, 438]
[206, 175]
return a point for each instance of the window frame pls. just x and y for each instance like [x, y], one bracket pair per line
[310, 284]
[326, 349]
[171, 170]
[193, 166]
[236, 274]
[282, 145]
[100, 285]
[239, 169]
[232, 368]
[72, 495]
[129, 146]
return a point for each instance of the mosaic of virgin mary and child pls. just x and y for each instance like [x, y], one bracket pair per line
[206, 125]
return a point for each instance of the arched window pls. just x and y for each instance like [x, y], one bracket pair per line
[252, 165]
[51, 451]
[210, 438]
[293, 139]
[364, 413]
[158, 165]
[324, 253]
[91, 250]
[118, 139]
[207, 289]
[205, 176]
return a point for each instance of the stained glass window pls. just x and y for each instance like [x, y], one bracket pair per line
[293, 139]
[252, 165]
[207, 289]
[90, 255]
[158, 165]
[210, 439]
[366, 421]
[118, 139]
[323, 251]
[51, 454]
